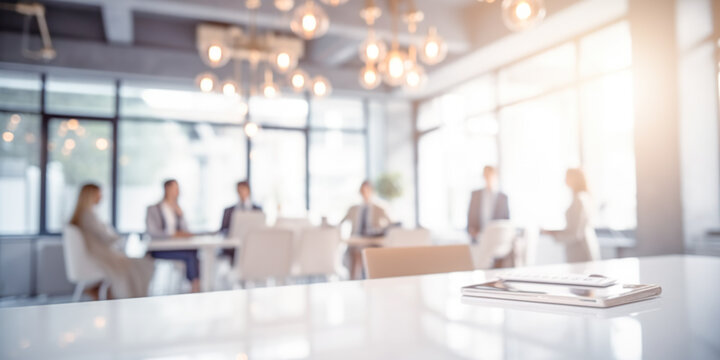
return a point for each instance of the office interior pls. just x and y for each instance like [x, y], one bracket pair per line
[129, 94]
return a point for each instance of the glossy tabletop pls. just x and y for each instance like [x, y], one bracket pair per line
[422, 317]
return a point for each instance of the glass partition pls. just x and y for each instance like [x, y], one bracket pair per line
[82, 97]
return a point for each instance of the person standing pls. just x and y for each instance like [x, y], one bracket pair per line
[128, 277]
[486, 204]
[165, 220]
[579, 235]
[244, 204]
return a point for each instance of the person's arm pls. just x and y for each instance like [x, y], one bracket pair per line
[153, 223]
[106, 234]
[575, 228]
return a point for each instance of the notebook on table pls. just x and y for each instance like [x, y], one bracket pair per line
[563, 294]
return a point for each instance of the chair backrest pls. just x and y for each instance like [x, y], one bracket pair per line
[266, 253]
[404, 261]
[242, 222]
[79, 265]
[317, 251]
[292, 223]
[496, 242]
[399, 237]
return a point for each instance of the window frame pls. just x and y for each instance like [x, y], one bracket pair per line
[115, 119]
[575, 84]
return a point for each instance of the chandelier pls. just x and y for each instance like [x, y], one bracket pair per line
[397, 67]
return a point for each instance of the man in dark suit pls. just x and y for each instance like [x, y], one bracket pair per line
[486, 204]
[244, 204]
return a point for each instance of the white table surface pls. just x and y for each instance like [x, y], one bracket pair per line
[422, 317]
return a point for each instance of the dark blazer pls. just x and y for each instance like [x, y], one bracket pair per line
[501, 211]
[227, 217]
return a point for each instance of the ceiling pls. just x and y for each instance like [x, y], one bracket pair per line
[157, 37]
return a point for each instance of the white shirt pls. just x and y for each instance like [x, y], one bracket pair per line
[170, 218]
[487, 206]
[244, 205]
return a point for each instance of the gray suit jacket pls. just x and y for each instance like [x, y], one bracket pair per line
[500, 212]
[155, 223]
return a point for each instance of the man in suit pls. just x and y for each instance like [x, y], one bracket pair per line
[244, 204]
[165, 220]
[367, 219]
[486, 204]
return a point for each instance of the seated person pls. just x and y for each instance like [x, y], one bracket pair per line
[244, 204]
[165, 220]
[128, 277]
[367, 219]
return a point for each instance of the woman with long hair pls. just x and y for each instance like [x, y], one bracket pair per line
[579, 235]
[128, 277]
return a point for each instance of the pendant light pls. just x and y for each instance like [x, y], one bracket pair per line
[284, 5]
[207, 82]
[434, 49]
[415, 76]
[520, 15]
[299, 80]
[309, 21]
[229, 88]
[372, 49]
[369, 77]
[269, 88]
[321, 87]
[392, 67]
[284, 61]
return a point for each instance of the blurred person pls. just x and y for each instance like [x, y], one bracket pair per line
[128, 277]
[579, 235]
[165, 220]
[368, 218]
[486, 204]
[244, 204]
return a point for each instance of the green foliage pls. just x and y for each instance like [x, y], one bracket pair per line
[389, 186]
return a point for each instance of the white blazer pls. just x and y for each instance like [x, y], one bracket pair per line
[579, 235]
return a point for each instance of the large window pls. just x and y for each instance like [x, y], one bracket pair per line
[206, 160]
[19, 173]
[568, 106]
[169, 131]
[79, 152]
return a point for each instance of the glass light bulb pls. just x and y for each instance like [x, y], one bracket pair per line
[372, 49]
[393, 68]
[284, 61]
[251, 129]
[334, 2]
[284, 5]
[415, 77]
[215, 53]
[206, 82]
[519, 15]
[369, 77]
[434, 48]
[270, 90]
[309, 21]
[299, 80]
[229, 88]
[321, 86]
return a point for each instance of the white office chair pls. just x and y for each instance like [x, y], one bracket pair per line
[80, 268]
[266, 254]
[399, 237]
[497, 241]
[317, 252]
[243, 222]
[292, 223]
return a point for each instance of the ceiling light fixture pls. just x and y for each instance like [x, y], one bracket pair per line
[372, 49]
[434, 48]
[520, 15]
[369, 77]
[309, 21]
[206, 82]
[321, 87]
[270, 89]
[284, 61]
[284, 5]
[299, 80]
[334, 2]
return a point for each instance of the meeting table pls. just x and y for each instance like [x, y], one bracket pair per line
[415, 317]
